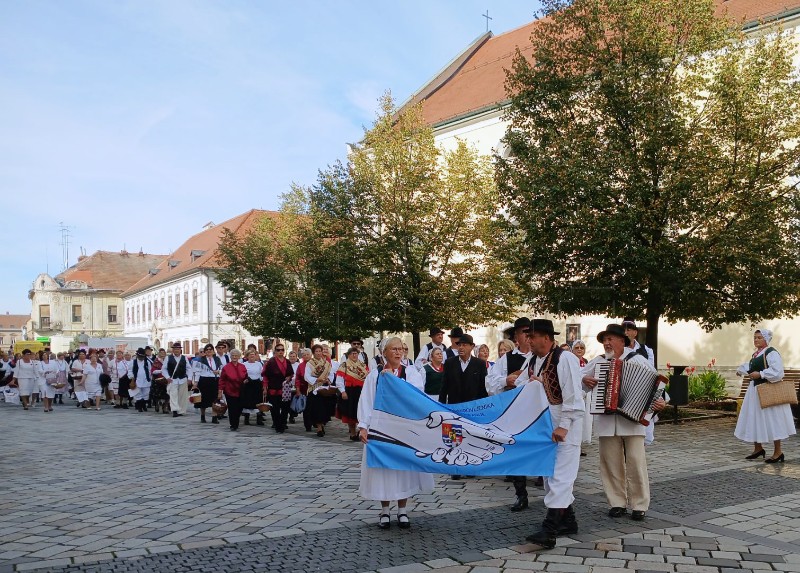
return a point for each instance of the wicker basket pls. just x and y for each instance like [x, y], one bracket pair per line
[59, 385]
[133, 385]
[195, 397]
[263, 407]
[776, 393]
[219, 408]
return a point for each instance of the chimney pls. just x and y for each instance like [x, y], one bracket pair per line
[141, 252]
[81, 257]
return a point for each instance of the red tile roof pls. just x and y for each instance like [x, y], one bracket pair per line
[106, 270]
[474, 81]
[13, 321]
[198, 252]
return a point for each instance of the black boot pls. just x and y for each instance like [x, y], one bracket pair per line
[174, 414]
[259, 419]
[203, 417]
[214, 420]
[546, 536]
[247, 419]
[138, 405]
[144, 405]
[569, 525]
[520, 504]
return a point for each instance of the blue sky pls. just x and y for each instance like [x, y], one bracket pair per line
[136, 122]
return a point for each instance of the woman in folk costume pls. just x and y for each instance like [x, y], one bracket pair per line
[231, 383]
[434, 373]
[91, 380]
[206, 379]
[381, 484]
[61, 378]
[349, 381]
[252, 392]
[757, 424]
[24, 377]
[579, 350]
[278, 377]
[77, 378]
[49, 372]
[318, 374]
[158, 389]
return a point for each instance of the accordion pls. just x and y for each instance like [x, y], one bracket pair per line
[626, 388]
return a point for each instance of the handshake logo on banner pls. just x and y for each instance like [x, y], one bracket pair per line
[508, 434]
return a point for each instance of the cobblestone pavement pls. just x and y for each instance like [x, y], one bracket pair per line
[119, 491]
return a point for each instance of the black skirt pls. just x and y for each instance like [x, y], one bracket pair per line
[348, 409]
[209, 390]
[251, 394]
[158, 390]
[124, 386]
[319, 409]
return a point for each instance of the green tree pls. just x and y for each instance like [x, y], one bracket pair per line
[652, 166]
[405, 229]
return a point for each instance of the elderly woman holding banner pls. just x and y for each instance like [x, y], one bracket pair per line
[386, 485]
[757, 424]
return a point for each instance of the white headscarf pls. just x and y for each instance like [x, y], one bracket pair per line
[767, 334]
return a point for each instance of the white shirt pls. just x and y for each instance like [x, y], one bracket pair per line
[25, 370]
[254, 369]
[48, 370]
[366, 403]
[496, 379]
[142, 367]
[773, 372]
[650, 356]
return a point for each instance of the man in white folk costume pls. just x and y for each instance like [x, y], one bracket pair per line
[623, 465]
[140, 374]
[176, 372]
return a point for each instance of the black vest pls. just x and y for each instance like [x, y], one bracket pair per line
[514, 361]
[146, 369]
[450, 353]
[179, 370]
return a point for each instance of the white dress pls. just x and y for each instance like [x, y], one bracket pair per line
[91, 379]
[49, 373]
[381, 484]
[25, 373]
[768, 424]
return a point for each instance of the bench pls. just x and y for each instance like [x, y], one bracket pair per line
[792, 374]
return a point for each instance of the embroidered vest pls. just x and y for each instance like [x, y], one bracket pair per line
[549, 375]
[759, 363]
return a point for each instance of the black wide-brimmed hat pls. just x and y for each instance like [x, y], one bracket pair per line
[522, 322]
[628, 322]
[542, 325]
[456, 332]
[434, 331]
[466, 339]
[616, 330]
[140, 352]
[177, 345]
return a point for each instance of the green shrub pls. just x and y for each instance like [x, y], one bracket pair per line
[707, 385]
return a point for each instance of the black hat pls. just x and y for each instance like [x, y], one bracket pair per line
[355, 339]
[175, 345]
[434, 331]
[26, 351]
[616, 330]
[466, 339]
[140, 352]
[542, 325]
[456, 332]
[522, 322]
[208, 347]
[146, 348]
[628, 322]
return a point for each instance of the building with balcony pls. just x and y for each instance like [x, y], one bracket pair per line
[85, 298]
[13, 327]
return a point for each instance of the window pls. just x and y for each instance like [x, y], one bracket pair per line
[195, 346]
[127, 315]
[185, 344]
[261, 346]
[44, 316]
[1, 340]
[194, 300]
[169, 307]
[186, 302]
[112, 313]
[77, 313]
[162, 307]
[177, 304]
[149, 311]
[138, 315]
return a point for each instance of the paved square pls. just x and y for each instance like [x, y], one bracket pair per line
[120, 491]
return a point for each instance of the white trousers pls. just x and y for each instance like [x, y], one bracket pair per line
[558, 489]
[178, 396]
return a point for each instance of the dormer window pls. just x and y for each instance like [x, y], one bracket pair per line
[172, 264]
[196, 254]
[153, 271]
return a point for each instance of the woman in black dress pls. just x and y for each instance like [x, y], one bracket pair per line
[206, 379]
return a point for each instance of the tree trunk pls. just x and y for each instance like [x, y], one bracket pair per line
[416, 344]
[653, 317]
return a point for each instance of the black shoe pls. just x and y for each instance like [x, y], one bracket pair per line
[759, 454]
[124, 406]
[202, 419]
[384, 521]
[568, 525]
[354, 438]
[546, 536]
[259, 419]
[291, 420]
[247, 419]
[637, 515]
[174, 414]
[402, 521]
[538, 481]
[233, 429]
[520, 504]
[155, 408]
[617, 512]
[117, 406]
[780, 458]
[214, 420]
[456, 477]
[508, 479]
[320, 434]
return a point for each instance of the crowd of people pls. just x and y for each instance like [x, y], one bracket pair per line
[311, 384]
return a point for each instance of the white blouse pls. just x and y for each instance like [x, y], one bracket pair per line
[253, 369]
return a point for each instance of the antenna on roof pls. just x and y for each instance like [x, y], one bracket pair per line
[487, 19]
[65, 235]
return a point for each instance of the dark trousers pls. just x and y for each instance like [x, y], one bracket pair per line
[234, 409]
[279, 412]
[520, 485]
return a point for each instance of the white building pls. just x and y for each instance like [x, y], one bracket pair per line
[466, 101]
[85, 298]
[180, 300]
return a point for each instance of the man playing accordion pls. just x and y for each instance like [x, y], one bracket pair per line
[623, 465]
